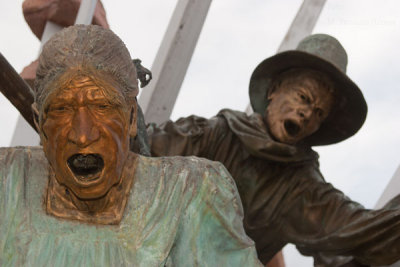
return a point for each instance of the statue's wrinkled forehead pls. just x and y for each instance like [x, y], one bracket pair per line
[305, 78]
[91, 88]
[82, 85]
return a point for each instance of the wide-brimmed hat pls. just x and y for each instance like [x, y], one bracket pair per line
[323, 53]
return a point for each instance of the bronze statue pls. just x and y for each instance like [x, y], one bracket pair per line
[84, 199]
[302, 98]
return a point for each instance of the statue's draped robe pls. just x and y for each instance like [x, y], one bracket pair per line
[285, 197]
[180, 212]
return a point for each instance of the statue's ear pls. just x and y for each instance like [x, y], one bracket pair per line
[35, 113]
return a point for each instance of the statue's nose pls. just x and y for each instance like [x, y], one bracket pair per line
[304, 113]
[84, 131]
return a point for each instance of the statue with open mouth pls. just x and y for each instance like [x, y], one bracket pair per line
[301, 98]
[84, 199]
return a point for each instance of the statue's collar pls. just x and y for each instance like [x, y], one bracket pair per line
[253, 134]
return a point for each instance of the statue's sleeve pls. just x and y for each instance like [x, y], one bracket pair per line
[211, 230]
[322, 222]
[191, 136]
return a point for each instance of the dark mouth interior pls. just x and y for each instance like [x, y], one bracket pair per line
[291, 127]
[86, 165]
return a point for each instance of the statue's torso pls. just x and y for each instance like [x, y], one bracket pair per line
[180, 212]
[31, 237]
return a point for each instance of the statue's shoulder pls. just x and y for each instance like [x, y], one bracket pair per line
[239, 121]
[240, 115]
[192, 171]
[20, 166]
[180, 163]
[21, 149]
[22, 160]
[25, 152]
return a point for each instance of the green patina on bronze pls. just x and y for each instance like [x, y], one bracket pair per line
[83, 199]
[181, 212]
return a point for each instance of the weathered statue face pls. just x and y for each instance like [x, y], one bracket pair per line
[296, 110]
[85, 135]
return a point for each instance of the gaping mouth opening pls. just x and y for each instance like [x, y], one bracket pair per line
[291, 127]
[86, 167]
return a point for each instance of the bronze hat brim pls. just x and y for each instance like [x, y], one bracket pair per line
[349, 111]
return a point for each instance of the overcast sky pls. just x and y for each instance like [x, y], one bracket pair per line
[237, 36]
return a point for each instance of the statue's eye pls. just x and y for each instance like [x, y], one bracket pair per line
[103, 106]
[59, 109]
[304, 97]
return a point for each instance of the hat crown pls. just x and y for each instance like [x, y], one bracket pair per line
[325, 47]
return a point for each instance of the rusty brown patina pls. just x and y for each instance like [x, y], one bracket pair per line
[85, 135]
[86, 114]
[298, 105]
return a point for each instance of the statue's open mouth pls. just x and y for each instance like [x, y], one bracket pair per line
[86, 167]
[291, 127]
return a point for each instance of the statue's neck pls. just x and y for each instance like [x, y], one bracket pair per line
[63, 203]
[92, 205]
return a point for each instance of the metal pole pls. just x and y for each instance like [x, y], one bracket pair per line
[303, 24]
[391, 190]
[86, 12]
[15, 89]
[173, 58]
[49, 30]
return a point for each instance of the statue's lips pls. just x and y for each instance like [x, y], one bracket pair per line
[291, 127]
[86, 167]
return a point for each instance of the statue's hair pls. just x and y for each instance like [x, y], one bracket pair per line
[88, 48]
